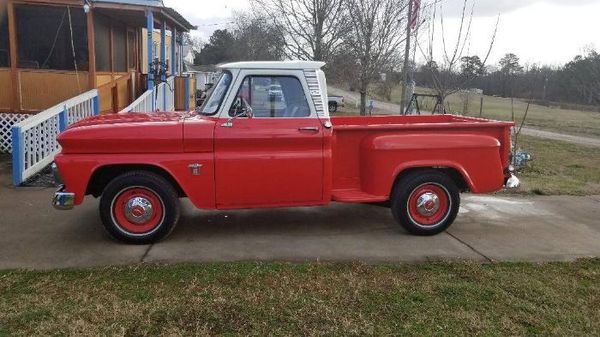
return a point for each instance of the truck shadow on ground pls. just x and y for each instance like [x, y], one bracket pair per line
[335, 219]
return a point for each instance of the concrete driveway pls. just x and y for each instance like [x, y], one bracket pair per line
[501, 228]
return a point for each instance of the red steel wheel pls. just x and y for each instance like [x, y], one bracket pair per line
[138, 210]
[139, 207]
[428, 204]
[425, 202]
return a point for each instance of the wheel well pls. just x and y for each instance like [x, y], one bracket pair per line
[452, 173]
[104, 175]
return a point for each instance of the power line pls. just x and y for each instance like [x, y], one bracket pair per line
[216, 24]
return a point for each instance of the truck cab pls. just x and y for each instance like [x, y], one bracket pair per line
[264, 138]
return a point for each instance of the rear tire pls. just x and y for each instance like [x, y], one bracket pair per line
[139, 207]
[425, 202]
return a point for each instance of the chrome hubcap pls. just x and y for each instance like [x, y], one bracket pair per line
[428, 204]
[138, 210]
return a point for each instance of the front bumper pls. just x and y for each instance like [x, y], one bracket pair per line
[62, 200]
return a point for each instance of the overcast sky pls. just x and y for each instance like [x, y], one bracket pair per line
[538, 31]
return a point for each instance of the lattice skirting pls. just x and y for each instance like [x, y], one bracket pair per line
[7, 120]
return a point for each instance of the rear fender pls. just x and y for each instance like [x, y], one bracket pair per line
[475, 157]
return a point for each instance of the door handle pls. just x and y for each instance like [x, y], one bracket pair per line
[309, 129]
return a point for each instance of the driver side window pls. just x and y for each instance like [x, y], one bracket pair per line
[270, 96]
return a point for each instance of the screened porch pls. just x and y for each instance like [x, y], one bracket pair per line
[53, 51]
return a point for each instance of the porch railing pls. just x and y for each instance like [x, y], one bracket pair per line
[167, 91]
[164, 93]
[142, 104]
[34, 143]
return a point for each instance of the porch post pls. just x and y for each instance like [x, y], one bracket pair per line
[91, 35]
[150, 46]
[163, 51]
[163, 61]
[186, 89]
[174, 51]
[12, 36]
[150, 28]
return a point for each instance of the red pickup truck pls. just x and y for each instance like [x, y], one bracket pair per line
[247, 148]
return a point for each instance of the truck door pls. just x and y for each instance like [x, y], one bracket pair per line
[271, 154]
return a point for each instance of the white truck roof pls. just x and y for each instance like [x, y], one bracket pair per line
[301, 65]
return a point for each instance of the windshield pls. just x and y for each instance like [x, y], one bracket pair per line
[212, 104]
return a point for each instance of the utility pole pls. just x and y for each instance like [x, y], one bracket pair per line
[403, 102]
[545, 88]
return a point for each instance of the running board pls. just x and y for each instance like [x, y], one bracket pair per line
[356, 196]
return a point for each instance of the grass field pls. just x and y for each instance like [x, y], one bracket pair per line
[548, 118]
[308, 299]
[560, 168]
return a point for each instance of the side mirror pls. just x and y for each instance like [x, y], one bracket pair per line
[248, 112]
[240, 110]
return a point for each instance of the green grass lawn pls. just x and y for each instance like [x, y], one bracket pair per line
[548, 118]
[307, 299]
[560, 168]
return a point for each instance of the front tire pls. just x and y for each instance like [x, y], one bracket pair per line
[425, 202]
[139, 208]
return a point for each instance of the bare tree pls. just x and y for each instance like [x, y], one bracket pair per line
[256, 38]
[375, 38]
[312, 28]
[195, 42]
[445, 76]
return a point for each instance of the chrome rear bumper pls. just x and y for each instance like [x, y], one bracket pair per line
[512, 182]
[62, 200]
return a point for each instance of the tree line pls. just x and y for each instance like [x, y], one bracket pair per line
[577, 82]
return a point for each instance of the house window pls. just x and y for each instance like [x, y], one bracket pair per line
[131, 46]
[4, 45]
[120, 49]
[102, 32]
[155, 50]
[44, 37]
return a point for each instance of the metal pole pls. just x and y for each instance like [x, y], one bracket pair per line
[481, 107]
[150, 29]
[174, 51]
[406, 58]
[163, 51]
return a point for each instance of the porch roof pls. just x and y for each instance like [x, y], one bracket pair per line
[157, 5]
[154, 3]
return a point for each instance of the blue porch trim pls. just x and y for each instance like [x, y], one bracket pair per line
[96, 104]
[63, 119]
[18, 155]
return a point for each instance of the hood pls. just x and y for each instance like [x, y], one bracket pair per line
[125, 133]
[128, 118]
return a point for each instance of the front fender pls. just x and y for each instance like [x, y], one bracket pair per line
[476, 157]
[76, 170]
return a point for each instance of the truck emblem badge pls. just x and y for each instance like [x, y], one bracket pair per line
[195, 168]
